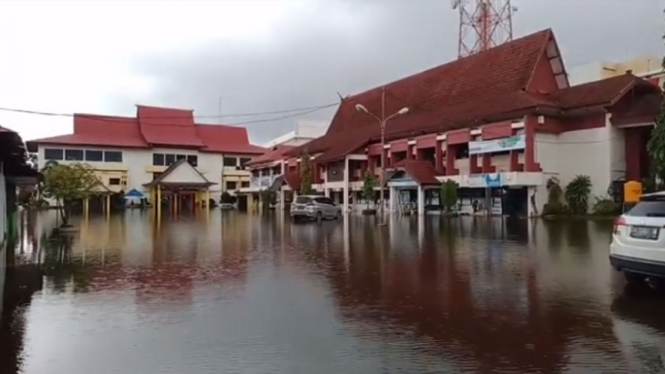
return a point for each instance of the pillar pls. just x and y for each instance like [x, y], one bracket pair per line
[207, 203]
[530, 123]
[632, 151]
[438, 158]
[158, 202]
[108, 204]
[345, 197]
[450, 160]
[487, 163]
[282, 196]
[392, 200]
[473, 165]
[86, 207]
[421, 200]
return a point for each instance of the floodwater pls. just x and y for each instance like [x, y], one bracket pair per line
[235, 293]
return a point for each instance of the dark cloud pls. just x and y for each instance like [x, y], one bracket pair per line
[348, 46]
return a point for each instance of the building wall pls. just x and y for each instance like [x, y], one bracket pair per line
[3, 234]
[137, 167]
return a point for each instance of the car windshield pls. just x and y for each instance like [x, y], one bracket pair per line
[648, 208]
[303, 200]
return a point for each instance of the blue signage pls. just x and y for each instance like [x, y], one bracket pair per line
[493, 182]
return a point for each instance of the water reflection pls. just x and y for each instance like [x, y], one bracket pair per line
[254, 293]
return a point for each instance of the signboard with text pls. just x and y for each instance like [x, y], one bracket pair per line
[511, 143]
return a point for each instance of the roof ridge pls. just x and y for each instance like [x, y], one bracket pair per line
[478, 55]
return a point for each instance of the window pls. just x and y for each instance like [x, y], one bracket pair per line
[113, 156]
[114, 181]
[244, 160]
[180, 157]
[94, 155]
[324, 201]
[193, 160]
[231, 185]
[158, 159]
[169, 159]
[230, 161]
[53, 154]
[244, 184]
[462, 151]
[653, 206]
[74, 154]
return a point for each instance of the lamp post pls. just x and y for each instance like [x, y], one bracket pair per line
[382, 122]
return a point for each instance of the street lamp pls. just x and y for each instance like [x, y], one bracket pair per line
[382, 122]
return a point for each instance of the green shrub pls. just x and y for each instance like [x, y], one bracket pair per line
[605, 207]
[577, 194]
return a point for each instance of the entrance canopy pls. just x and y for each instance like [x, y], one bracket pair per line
[181, 176]
[412, 173]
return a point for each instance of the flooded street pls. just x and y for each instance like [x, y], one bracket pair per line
[236, 293]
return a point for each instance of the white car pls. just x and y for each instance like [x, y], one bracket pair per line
[638, 240]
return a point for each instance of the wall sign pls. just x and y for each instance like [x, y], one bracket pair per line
[511, 143]
[484, 180]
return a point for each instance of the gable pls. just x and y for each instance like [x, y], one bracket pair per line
[184, 173]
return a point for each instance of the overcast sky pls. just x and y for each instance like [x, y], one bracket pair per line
[106, 56]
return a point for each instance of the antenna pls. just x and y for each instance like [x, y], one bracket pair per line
[483, 24]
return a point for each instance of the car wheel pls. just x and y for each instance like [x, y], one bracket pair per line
[634, 277]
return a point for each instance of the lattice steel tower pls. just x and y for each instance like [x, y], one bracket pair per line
[483, 24]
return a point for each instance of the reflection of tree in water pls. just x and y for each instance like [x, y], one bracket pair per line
[554, 233]
[577, 232]
[60, 267]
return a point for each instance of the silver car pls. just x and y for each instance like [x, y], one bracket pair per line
[314, 207]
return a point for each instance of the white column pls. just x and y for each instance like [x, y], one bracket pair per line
[421, 201]
[326, 192]
[345, 192]
[392, 200]
[281, 199]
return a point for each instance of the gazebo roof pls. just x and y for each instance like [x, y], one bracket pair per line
[181, 174]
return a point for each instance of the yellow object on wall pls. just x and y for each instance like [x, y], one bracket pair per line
[632, 191]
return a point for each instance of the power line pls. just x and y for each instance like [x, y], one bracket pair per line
[247, 114]
[101, 118]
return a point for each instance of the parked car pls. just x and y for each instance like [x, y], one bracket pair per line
[314, 208]
[638, 240]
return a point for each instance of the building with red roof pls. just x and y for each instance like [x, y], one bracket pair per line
[500, 123]
[129, 152]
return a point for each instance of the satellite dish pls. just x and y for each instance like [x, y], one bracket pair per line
[455, 3]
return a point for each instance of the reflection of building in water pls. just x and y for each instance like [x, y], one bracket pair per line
[486, 311]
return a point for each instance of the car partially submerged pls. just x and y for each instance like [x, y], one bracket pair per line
[314, 208]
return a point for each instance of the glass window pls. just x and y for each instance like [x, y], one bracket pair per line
[652, 206]
[231, 185]
[94, 155]
[193, 160]
[114, 181]
[158, 159]
[169, 159]
[74, 154]
[230, 161]
[244, 160]
[53, 154]
[113, 156]
[303, 200]
[180, 157]
[244, 184]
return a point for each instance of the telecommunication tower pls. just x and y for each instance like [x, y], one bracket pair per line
[483, 24]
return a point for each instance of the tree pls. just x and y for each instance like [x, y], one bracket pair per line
[656, 147]
[449, 195]
[368, 187]
[305, 174]
[67, 183]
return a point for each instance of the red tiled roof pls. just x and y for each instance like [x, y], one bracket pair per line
[168, 127]
[273, 154]
[226, 139]
[448, 96]
[599, 93]
[422, 172]
[154, 127]
[292, 179]
[96, 130]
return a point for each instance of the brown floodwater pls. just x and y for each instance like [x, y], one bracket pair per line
[236, 293]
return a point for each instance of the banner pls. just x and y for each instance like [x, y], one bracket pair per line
[511, 143]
